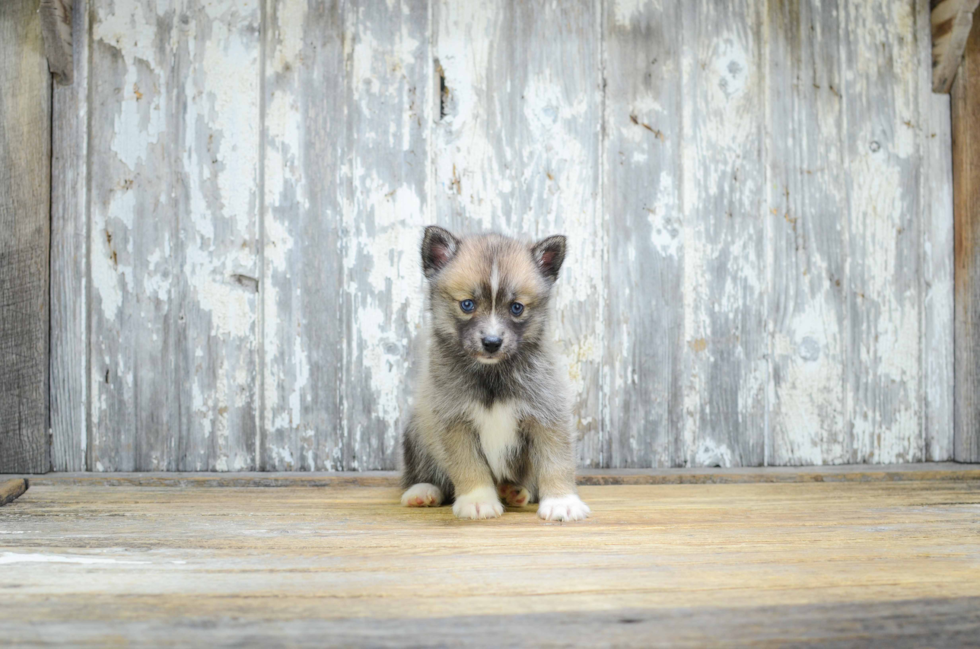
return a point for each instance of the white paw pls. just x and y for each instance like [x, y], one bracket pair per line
[479, 503]
[563, 508]
[422, 494]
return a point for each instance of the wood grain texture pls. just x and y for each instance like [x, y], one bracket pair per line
[715, 564]
[935, 215]
[909, 623]
[806, 198]
[56, 28]
[25, 194]
[389, 111]
[756, 194]
[723, 187]
[10, 490]
[304, 193]
[641, 188]
[173, 235]
[951, 22]
[134, 242]
[966, 210]
[216, 149]
[935, 471]
[69, 383]
[516, 149]
[883, 286]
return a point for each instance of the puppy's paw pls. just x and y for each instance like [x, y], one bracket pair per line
[480, 503]
[563, 508]
[422, 494]
[513, 495]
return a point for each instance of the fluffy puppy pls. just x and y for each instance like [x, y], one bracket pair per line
[492, 418]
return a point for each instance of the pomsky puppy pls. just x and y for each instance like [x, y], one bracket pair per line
[492, 418]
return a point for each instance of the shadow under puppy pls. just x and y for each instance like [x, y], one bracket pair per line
[492, 418]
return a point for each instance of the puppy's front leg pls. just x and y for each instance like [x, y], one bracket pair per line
[554, 468]
[476, 496]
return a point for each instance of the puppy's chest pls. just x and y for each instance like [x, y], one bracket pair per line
[497, 427]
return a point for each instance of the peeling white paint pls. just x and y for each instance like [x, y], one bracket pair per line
[626, 11]
[292, 17]
[518, 150]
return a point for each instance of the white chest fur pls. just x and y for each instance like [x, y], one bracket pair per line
[497, 427]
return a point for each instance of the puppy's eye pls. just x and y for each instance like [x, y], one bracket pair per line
[467, 306]
[517, 308]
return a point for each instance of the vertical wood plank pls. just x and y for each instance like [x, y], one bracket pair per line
[133, 242]
[217, 196]
[517, 150]
[806, 199]
[388, 119]
[645, 227]
[725, 241]
[56, 29]
[881, 160]
[935, 214]
[69, 257]
[966, 210]
[302, 270]
[952, 22]
[25, 192]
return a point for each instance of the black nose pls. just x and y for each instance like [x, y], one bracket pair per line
[492, 343]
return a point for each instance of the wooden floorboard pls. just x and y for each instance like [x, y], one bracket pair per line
[593, 477]
[894, 563]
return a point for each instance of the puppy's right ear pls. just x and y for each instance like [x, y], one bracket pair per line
[439, 246]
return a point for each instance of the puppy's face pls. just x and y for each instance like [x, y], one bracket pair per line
[489, 294]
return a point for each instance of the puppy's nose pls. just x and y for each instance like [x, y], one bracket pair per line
[492, 343]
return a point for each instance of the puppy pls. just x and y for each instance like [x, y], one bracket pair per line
[492, 418]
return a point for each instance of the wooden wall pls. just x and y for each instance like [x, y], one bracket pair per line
[966, 195]
[757, 195]
[25, 150]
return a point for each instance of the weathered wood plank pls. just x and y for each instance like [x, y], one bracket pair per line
[174, 229]
[935, 215]
[933, 471]
[723, 194]
[56, 27]
[946, 622]
[216, 150]
[69, 258]
[389, 111]
[25, 194]
[951, 22]
[517, 150]
[134, 246]
[806, 198]
[966, 212]
[644, 237]
[883, 289]
[693, 565]
[302, 425]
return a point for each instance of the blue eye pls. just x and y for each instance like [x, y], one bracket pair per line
[467, 306]
[517, 308]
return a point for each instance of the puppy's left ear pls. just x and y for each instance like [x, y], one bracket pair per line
[549, 254]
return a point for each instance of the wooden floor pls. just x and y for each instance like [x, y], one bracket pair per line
[839, 563]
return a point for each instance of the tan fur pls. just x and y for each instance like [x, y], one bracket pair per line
[491, 416]
[474, 262]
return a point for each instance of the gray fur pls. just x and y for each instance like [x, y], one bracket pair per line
[442, 444]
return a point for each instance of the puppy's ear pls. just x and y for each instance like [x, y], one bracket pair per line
[439, 246]
[549, 254]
